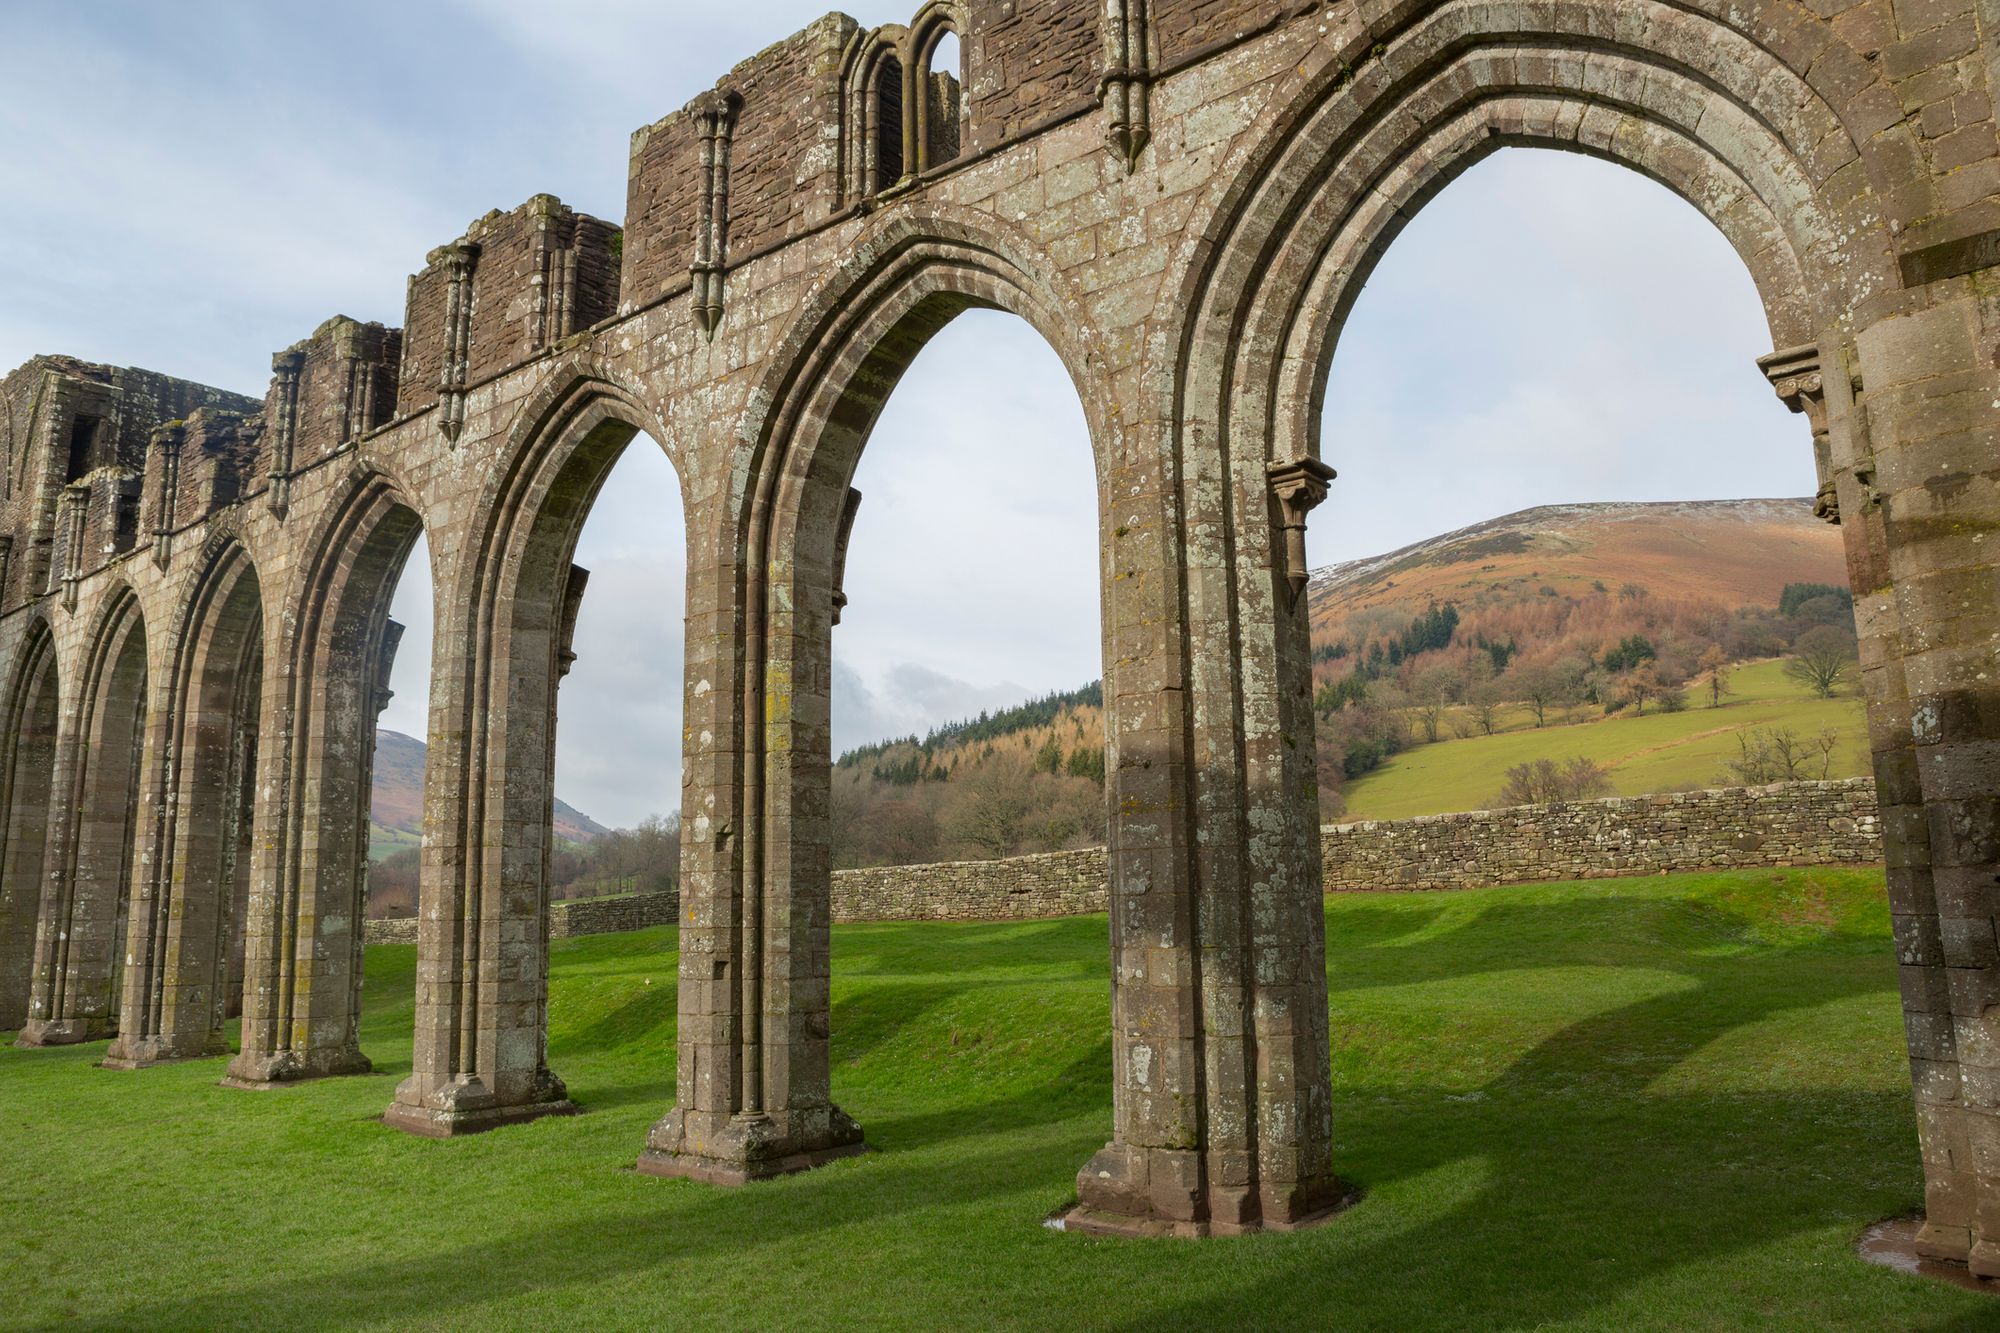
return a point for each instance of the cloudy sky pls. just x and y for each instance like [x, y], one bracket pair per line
[192, 186]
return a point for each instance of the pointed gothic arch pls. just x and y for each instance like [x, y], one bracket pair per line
[186, 942]
[482, 1026]
[27, 792]
[303, 944]
[94, 826]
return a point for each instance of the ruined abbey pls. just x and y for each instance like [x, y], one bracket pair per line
[1184, 198]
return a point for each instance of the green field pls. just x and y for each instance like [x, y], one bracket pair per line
[384, 841]
[1657, 752]
[1666, 1103]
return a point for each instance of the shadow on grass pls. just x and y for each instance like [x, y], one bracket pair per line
[1561, 1185]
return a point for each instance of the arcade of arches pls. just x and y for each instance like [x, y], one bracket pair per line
[1183, 199]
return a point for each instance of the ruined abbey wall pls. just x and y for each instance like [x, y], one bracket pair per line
[1183, 197]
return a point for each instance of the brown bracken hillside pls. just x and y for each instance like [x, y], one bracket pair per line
[1731, 552]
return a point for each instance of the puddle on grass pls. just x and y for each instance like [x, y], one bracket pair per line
[1893, 1244]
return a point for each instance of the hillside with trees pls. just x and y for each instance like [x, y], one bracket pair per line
[1561, 653]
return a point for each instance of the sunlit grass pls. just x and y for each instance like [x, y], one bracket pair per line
[1660, 1103]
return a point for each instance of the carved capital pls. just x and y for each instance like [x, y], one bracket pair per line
[848, 510]
[456, 258]
[1298, 487]
[572, 603]
[385, 662]
[1800, 381]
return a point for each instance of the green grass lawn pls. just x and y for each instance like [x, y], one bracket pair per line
[1657, 752]
[1666, 1103]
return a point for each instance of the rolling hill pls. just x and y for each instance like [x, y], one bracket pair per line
[1732, 552]
[396, 806]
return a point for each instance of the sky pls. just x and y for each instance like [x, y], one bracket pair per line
[193, 187]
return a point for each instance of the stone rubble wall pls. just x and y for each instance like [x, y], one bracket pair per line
[581, 916]
[1790, 824]
[1023, 887]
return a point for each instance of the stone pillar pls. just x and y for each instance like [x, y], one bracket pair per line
[481, 1041]
[754, 1094]
[1221, 1108]
[302, 993]
[1931, 377]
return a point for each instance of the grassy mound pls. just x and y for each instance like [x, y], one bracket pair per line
[1659, 1103]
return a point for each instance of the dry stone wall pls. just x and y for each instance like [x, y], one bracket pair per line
[1052, 884]
[1789, 824]
[584, 916]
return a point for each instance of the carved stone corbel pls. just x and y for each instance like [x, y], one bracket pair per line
[572, 603]
[166, 442]
[1125, 89]
[848, 509]
[75, 509]
[459, 260]
[1801, 383]
[385, 662]
[1298, 487]
[286, 367]
[715, 121]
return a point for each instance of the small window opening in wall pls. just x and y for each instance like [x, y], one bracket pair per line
[125, 531]
[82, 446]
[888, 123]
[944, 92]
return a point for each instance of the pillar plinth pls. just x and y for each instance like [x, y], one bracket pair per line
[468, 1105]
[737, 1149]
[55, 1032]
[258, 1070]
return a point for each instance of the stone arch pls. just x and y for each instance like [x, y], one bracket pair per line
[1352, 153]
[303, 953]
[482, 1031]
[1353, 144]
[27, 770]
[94, 827]
[755, 1095]
[191, 896]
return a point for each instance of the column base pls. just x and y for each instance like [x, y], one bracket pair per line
[54, 1032]
[1951, 1245]
[259, 1072]
[737, 1149]
[145, 1052]
[467, 1106]
[1911, 1245]
[1128, 1191]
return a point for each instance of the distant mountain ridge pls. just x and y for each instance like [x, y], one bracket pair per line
[1735, 552]
[397, 802]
